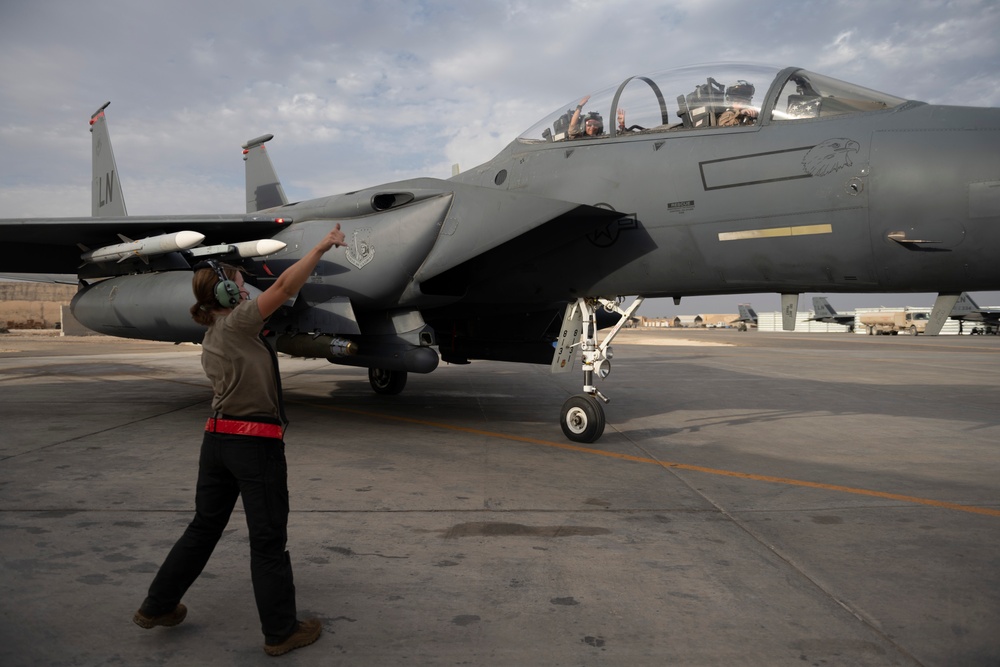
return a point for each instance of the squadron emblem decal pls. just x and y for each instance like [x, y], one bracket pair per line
[361, 250]
[830, 156]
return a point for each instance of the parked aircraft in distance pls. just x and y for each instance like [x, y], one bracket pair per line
[807, 184]
[824, 312]
[748, 317]
[966, 310]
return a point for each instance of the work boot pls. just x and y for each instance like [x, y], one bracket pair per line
[168, 620]
[308, 632]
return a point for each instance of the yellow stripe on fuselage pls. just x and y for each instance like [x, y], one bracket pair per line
[771, 232]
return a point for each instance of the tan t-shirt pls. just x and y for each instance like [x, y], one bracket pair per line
[239, 365]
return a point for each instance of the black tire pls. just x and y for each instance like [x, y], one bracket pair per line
[385, 382]
[913, 330]
[582, 418]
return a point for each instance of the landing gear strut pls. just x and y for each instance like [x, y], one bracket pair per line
[582, 418]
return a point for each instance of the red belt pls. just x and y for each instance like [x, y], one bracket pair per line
[236, 427]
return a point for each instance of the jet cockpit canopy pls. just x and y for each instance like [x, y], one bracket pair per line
[693, 98]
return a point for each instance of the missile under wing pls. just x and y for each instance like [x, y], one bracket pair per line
[717, 179]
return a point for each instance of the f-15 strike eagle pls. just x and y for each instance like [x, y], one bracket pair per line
[747, 318]
[721, 179]
[824, 312]
[966, 310]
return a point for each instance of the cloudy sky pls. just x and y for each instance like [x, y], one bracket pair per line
[365, 92]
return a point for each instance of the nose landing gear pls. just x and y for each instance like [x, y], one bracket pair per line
[582, 418]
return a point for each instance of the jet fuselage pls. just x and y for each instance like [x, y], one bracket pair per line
[899, 200]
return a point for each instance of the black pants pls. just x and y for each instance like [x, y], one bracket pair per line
[230, 466]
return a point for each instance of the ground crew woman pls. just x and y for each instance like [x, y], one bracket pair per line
[242, 453]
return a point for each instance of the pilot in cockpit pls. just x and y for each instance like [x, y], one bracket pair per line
[593, 124]
[739, 96]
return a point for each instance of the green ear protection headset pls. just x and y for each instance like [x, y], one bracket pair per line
[227, 292]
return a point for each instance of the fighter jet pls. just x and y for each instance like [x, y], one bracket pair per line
[824, 312]
[716, 179]
[966, 310]
[748, 317]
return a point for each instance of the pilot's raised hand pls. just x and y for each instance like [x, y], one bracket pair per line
[574, 122]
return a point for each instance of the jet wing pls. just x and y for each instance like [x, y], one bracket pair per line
[52, 245]
[833, 319]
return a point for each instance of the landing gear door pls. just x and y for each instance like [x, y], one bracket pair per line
[569, 336]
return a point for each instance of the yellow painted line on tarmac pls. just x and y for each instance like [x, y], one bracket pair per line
[668, 464]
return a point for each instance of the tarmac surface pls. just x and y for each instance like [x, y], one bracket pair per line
[756, 499]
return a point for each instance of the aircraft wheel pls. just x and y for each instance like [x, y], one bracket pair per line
[386, 382]
[582, 418]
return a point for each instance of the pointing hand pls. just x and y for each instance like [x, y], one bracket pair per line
[333, 239]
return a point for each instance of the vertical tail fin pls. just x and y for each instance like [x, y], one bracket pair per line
[964, 306]
[106, 195]
[263, 187]
[747, 314]
[748, 317]
[822, 307]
